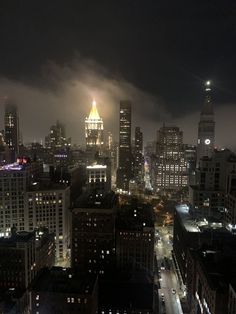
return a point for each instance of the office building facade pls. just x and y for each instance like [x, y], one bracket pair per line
[172, 167]
[214, 177]
[49, 207]
[15, 180]
[93, 228]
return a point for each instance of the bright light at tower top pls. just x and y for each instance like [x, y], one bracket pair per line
[208, 83]
[94, 103]
[94, 115]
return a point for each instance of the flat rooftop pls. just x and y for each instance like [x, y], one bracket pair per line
[135, 292]
[135, 217]
[21, 236]
[64, 280]
[92, 201]
[197, 222]
[48, 185]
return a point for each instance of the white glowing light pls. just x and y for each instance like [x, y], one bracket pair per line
[97, 167]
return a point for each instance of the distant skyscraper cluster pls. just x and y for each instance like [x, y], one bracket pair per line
[57, 137]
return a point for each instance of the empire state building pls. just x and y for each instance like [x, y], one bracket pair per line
[94, 130]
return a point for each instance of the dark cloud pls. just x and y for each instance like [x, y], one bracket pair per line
[166, 48]
[66, 93]
[157, 53]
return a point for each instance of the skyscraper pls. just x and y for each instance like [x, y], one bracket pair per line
[12, 130]
[172, 171]
[15, 180]
[93, 233]
[206, 127]
[57, 137]
[48, 206]
[124, 172]
[215, 179]
[94, 130]
[138, 156]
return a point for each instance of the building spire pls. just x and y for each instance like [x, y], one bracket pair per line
[207, 108]
[93, 115]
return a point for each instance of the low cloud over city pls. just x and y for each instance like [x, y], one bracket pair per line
[66, 92]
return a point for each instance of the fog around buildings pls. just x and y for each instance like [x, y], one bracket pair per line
[66, 92]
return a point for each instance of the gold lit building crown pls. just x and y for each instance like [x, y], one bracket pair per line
[93, 115]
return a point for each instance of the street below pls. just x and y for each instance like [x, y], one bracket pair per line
[169, 292]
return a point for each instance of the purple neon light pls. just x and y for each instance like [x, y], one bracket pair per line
[14, 166]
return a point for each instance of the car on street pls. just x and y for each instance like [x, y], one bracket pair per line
[162, 266]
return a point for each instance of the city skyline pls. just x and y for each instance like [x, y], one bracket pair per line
[117, 157]
[76, 130]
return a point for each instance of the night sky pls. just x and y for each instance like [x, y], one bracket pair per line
[55, 56]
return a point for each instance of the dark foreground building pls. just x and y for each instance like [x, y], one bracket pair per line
[135, 238]
[209, 276]
[93, 230]
[60, 290]
[205, 257]
[21, 258]
[126, 295]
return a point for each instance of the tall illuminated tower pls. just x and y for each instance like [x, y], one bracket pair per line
[206, 127]
[94, 130]
[12, 130]
[124, 171]
[138, 156]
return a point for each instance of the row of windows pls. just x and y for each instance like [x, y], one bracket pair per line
[79, 300]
